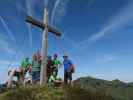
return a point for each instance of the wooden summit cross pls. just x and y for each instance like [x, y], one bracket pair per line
[46, 28]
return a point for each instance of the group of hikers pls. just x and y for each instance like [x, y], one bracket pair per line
[29, 71]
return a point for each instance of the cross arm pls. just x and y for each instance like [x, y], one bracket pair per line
[39, 24]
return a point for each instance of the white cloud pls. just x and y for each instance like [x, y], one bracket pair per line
[46, 3]
[4, 62]
[9, 64]
[5, 45]
[10, 51]
[7, 29]
[29, 12]
[68, 39]
[106, 58]
[91, 2]
[54, 10]
[18, 6]
[59, 10]
[117, 22]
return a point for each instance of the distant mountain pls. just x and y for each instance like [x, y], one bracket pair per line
[118, 89]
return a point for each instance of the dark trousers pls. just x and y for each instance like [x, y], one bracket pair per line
[67, 76]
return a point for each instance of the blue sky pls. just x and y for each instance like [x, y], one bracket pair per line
[97, 35]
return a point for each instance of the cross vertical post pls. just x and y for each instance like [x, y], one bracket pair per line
[44, 50]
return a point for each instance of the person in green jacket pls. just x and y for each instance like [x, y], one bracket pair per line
[25, 63]
[56, 65]
[24, 66]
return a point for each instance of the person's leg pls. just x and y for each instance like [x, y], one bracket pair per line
[22, 75]
[65, 78]
[49, 73]
[33, 77]
[70, 77]
[37, 76]
[48, 76]
[56, 72]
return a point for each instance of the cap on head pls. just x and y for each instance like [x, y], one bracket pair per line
[65, 55]
[49, 57]
[56, 55]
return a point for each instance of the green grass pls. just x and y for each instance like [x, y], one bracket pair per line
[49, 93]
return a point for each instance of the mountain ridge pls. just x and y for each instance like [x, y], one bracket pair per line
[118, 89]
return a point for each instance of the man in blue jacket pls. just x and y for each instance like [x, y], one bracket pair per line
[68, 69]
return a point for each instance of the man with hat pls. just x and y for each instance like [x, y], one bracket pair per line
[68, 69]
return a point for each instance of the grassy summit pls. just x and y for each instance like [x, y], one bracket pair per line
[49, 93]
[85, 88]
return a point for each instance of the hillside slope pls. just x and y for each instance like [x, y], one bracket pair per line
[118, 89]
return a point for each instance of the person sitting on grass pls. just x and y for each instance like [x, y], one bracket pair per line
[13, 78]
[54, 81]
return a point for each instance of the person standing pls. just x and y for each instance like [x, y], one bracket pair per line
[23, 68]
[35, 69]
[69, 69]
[56, 65]
[49, 67]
